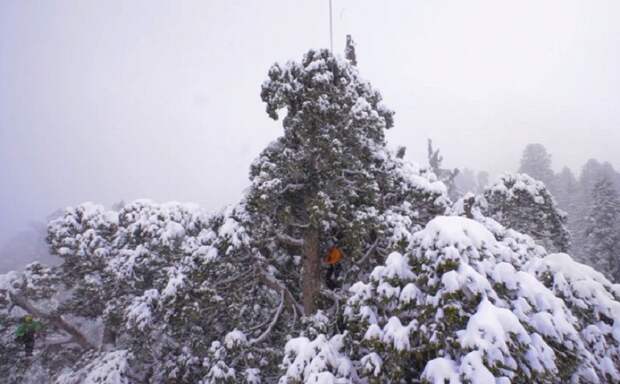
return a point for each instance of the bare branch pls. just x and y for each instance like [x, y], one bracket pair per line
[55, 320]
[333, 295]
[273, 322]
[292, 187]
[368, 252]
[336, 298]
[254, 328]
[353, 172]
[61, 342]
[298, 225]
[233, 278]
[382, 251]
[272, 283]
[289, 240]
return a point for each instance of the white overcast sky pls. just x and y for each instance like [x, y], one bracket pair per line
[109, 100]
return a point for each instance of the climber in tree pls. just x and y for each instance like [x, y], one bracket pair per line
[333, 257]
[26, 332]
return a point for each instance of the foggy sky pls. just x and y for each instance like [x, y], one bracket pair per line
[116, 100]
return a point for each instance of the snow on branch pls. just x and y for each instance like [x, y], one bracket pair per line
[273, 322]
[272, 283]
[232, 279]
[370, 250]
[292, 187]
[57, 321]
[290, 240]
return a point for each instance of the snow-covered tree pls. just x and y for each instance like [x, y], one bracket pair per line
[569, 198]
[33, 291]
[329, 179]
[524, 204]
[567, 189]
[166, 293]
[536, 162]
[602, 231]
[188, 297]
[470, 302]
[447, 176]
[593, 171]
[317, 181]
[579, 210]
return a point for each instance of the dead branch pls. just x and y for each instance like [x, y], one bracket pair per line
[292, 187]
[289, 240]
[273, 322]
[55, 320]
[272, 283]
[368, 252]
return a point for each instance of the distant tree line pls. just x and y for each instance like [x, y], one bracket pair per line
[592, 203]
[587, 205]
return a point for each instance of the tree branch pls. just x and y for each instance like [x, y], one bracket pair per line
[273, 322]
[55, 320]
[272, 283]
[298, 225]
[353, 172]
[254, 328]
[232, 279]
[368, 252]
[292, 187]
[289, 240]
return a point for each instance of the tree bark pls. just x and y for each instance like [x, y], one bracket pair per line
[311, 279]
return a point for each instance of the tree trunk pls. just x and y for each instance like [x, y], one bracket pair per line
[311, 278]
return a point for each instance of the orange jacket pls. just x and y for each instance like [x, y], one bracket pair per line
[334, 255]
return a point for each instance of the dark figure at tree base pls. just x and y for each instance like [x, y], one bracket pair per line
[26, 332]
[334, 255]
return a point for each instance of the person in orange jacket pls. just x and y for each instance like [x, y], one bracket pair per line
[332, 259]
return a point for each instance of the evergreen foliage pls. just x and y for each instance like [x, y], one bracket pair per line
[469, 302]
[602, 231]
[524, 204]
[536, 162]
[167, 293]
[447, 176]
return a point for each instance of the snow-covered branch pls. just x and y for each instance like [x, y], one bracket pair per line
[273, 322]
[55, 320]
[232, 279]
[290, 240]
[353, 172]
[292, 187]
[368, 252]
[361, 261]
[298, 225]
[272, 283]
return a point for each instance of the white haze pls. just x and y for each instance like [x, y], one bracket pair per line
[117, 100]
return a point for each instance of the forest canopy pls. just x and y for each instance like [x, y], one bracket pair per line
[433, 286]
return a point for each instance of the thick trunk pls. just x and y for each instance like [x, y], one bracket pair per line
[311, 278]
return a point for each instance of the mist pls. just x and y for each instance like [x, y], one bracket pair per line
[110, 101]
